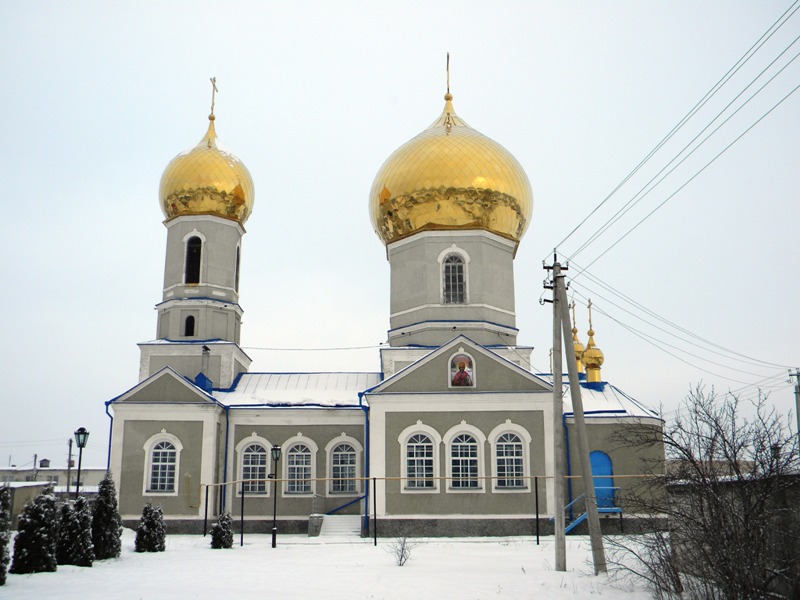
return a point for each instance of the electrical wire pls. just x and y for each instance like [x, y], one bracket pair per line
[714, 89]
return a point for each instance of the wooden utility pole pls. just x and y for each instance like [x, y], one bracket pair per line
[561, 318]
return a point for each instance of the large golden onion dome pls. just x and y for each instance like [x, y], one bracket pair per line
[207, 180]
[450, 176]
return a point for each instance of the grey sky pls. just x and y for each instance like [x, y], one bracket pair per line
[313, 96]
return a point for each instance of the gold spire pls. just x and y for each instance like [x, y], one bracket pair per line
[578, 346]
[592, 357]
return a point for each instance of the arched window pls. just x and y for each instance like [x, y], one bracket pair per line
[453, 280]
[188, 326]
[254, 467]
[163, 460]
[419, 462]
[343, 469]
[298, 465]
[510, 466]
[194, 252]
[464, 462]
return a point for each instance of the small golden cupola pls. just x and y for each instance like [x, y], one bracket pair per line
[592, 357]
[450, 177]
[207, 180]
[577, 345]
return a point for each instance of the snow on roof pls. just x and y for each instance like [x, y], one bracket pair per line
[298, 389]
[607, 400]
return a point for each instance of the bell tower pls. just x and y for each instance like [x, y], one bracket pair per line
[206, 196]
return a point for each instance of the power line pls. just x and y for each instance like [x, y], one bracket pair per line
[771, 30]
[639, 196]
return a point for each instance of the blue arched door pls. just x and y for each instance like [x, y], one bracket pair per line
[603, 475]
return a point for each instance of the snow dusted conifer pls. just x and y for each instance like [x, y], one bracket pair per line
[5, 531]
[106, 522]
[222, 532]
[75, 535]
[35, 544]
[151, 533]
[67, 529]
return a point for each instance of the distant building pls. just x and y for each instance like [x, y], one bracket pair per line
[452, 425]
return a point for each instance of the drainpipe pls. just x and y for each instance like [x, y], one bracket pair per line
[365, 519]
[225, 463]
[108, 454]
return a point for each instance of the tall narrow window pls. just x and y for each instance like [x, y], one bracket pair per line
[509, 461]
[188, 326]
[162, 467]
[464, 461]
[194, 251]
[236, 272]
[343, 468]
[419, 462]
[254, 468]
[298, 463]
[453, 288]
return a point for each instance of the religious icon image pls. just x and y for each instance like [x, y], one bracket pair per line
[461, 371]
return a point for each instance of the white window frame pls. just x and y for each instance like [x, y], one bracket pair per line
[480, 439]
[287, 445]
[436, 440]
[474, 371]
[525, 438]
[203, 248]
[453, 250]
[148, 448]
[359, 450]
[239, 453]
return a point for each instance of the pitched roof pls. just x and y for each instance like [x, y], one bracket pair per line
[297, 389]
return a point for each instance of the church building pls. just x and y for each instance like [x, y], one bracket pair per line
[452, 434]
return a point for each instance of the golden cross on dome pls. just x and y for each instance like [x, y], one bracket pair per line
[214, 91]
[448, 72]
[589, 306]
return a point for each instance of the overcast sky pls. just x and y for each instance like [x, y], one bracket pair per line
[98, 97]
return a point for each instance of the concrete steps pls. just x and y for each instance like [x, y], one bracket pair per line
[341, 526]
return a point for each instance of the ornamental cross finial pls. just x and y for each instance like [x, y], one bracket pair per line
[214, 90]
[590, 314]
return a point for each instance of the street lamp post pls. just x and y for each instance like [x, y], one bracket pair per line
[81, 437]
[276, 456]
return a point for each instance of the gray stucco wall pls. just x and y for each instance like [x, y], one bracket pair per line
[490, 375]
[628, 464]
[466, 503]
[301, 504]
[132, 479]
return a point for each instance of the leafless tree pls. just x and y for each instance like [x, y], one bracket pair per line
[401, 549]
[724, 511]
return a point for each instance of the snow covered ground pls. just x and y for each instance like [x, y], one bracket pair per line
[331, 568]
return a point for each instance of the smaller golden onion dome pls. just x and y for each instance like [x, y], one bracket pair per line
[592, 357]
[576, 343]
[579, 348]
[207, 180]
[448, 177]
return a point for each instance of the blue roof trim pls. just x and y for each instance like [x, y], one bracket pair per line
[300, 406]
[217, 300]
[454, 321]
[159, 374]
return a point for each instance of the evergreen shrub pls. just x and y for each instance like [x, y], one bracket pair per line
[74, 545]
[35, 544]
[5, 531]
[151, 534]
[106, 522]
[222, 532]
